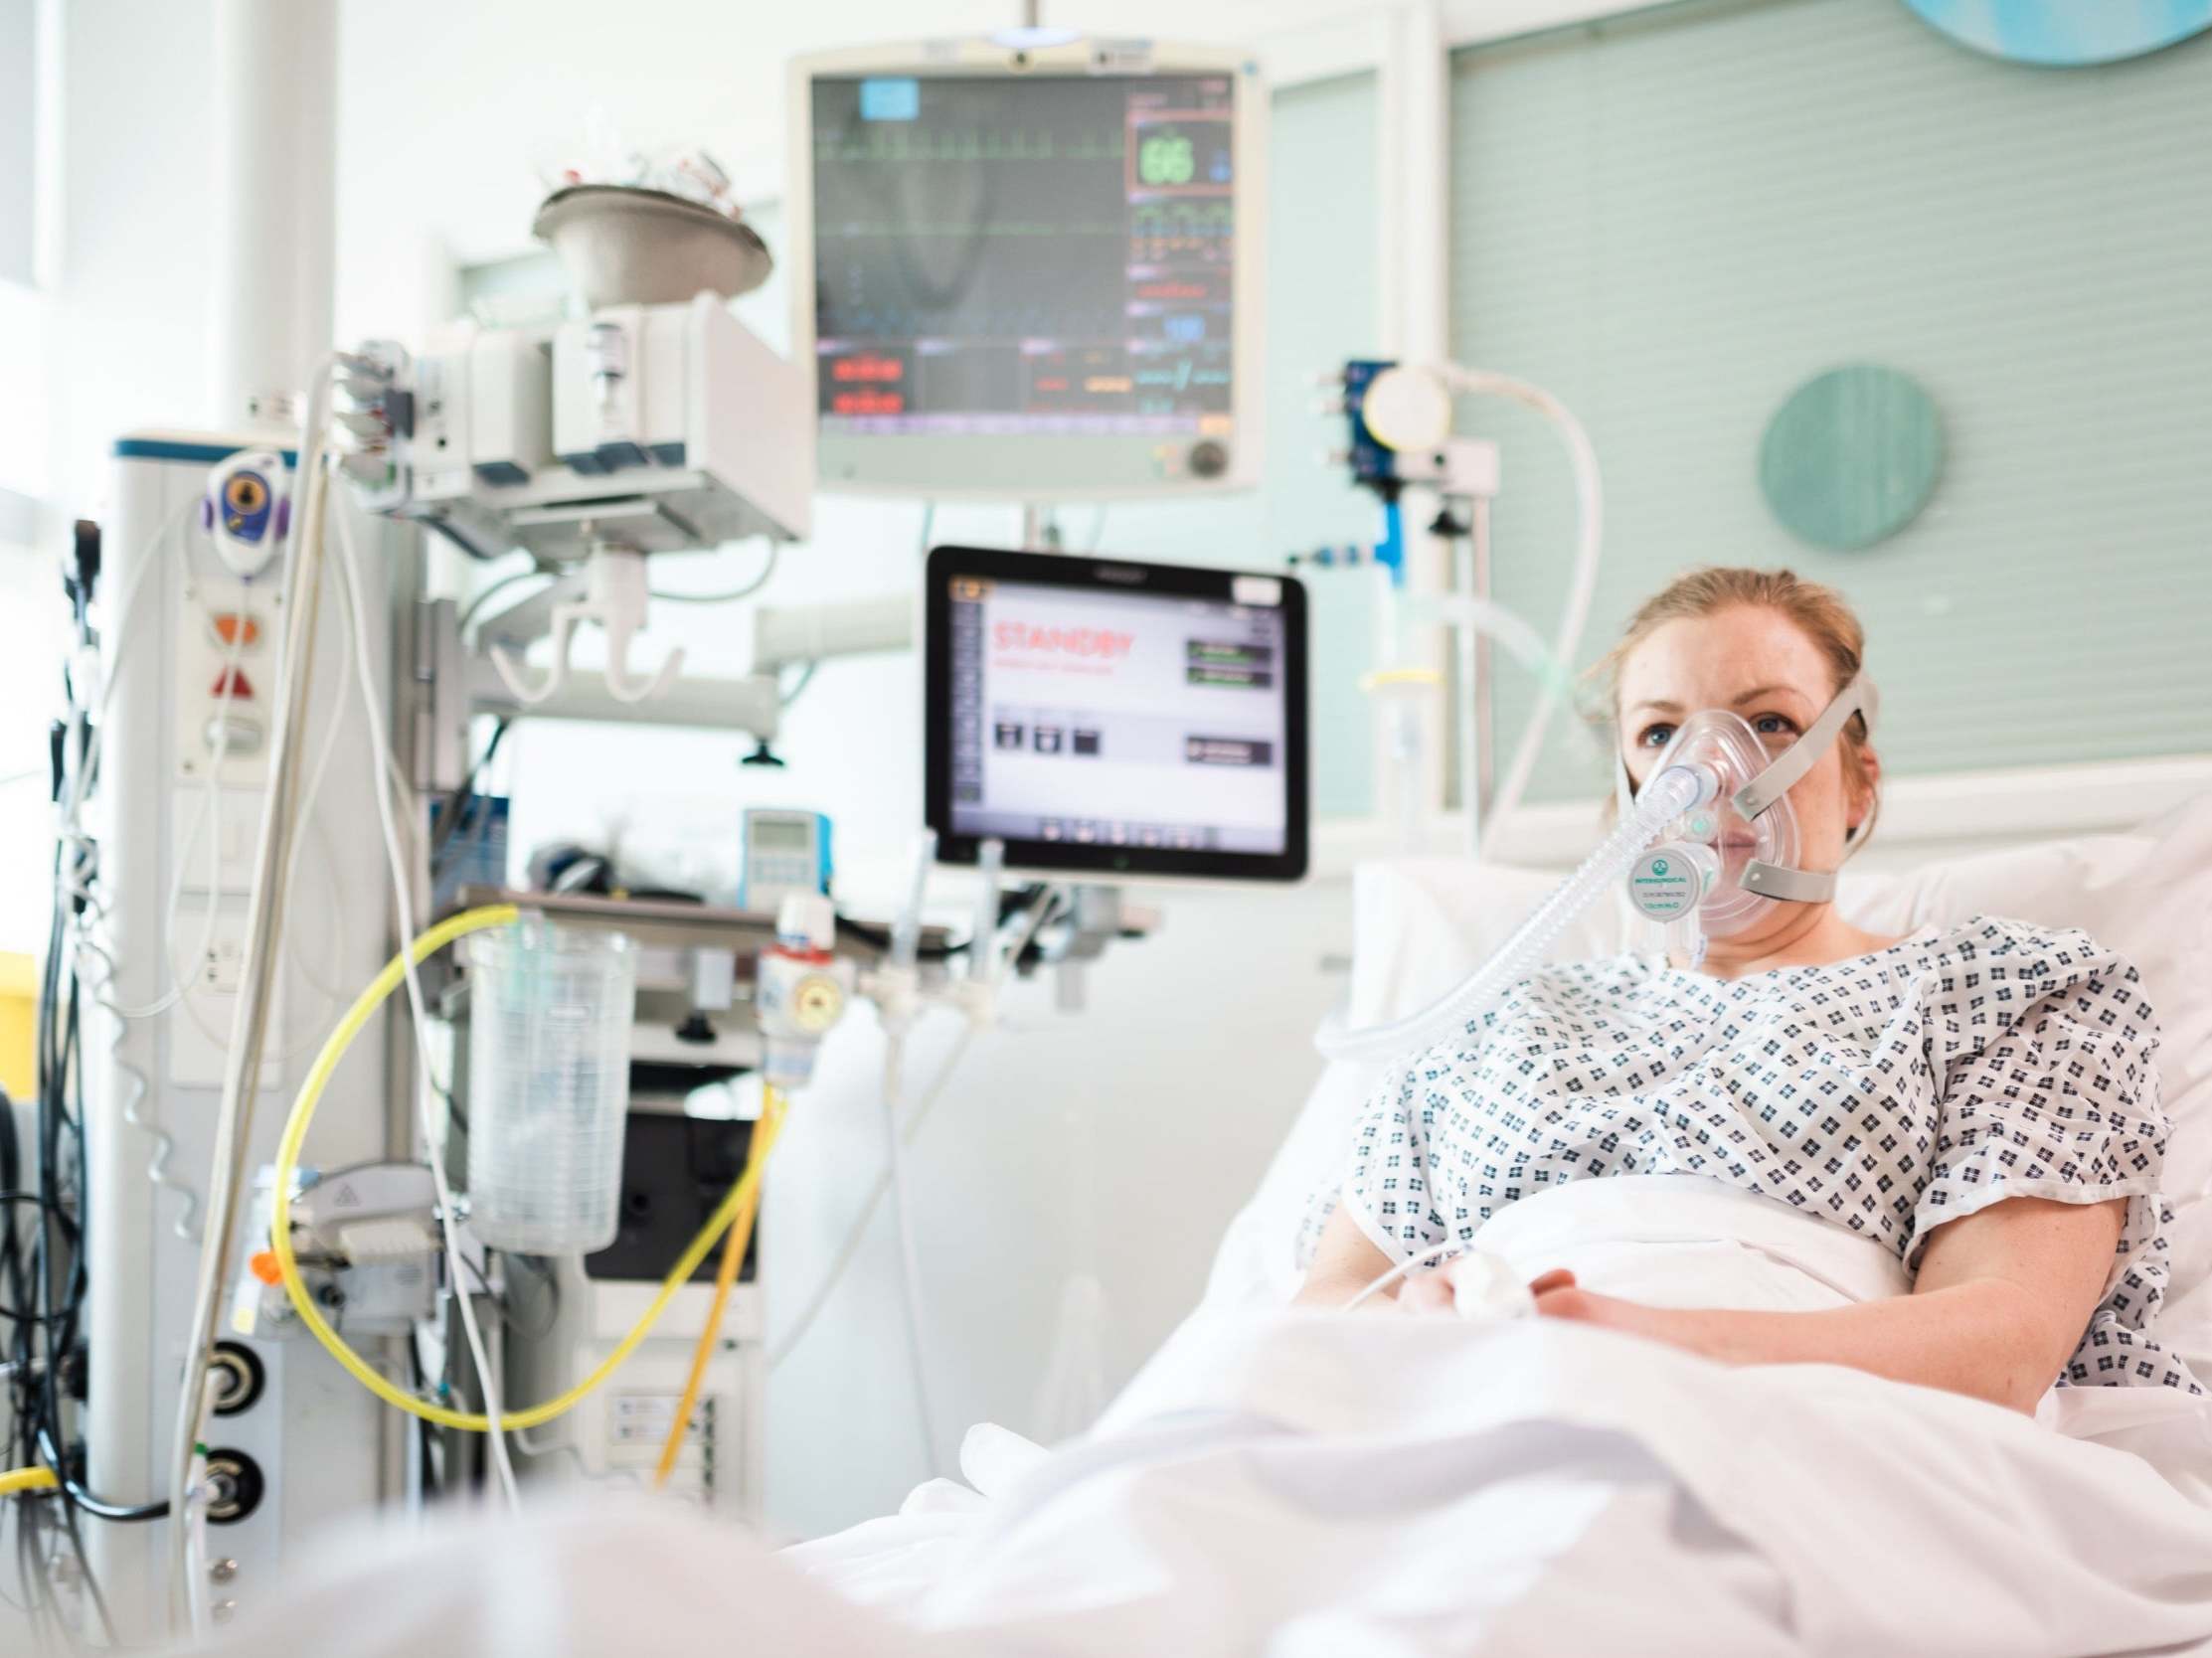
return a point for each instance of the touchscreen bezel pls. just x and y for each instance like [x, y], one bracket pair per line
[1101, 573]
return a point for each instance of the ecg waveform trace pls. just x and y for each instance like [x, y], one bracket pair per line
[991, 249]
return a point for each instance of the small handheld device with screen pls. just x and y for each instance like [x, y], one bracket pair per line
[786, 852]
[1128, 718]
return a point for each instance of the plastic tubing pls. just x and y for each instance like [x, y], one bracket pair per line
[288, 1165]
[1666, 798]
[765, 1135]
[1582, 586]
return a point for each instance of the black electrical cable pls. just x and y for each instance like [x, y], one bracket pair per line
[49, 1435]
[426, 1439]
[10, 1182]
[1012, 903]
[459, 805]
[29, 1265]
[75, 1496]
[61, 1239]
[7, 1599]
[500, 1298]
[50, 1278]
[90, 1578]
[15, 1270]
[35, 1564]
[24, 1256]
[29, 1313]
[29, 1575]
[84, 1500]
[879, 937]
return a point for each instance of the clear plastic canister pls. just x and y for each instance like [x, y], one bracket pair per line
[548, 1085]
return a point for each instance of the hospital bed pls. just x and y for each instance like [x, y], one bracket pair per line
[1290, 1483]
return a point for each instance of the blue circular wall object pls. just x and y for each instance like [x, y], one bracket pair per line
[2066, 34]
[1851, 457]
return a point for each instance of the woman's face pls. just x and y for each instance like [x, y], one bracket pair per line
[1759, 663]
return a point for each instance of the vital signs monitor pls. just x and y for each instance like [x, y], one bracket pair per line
[1098, 714]
[1029, 271]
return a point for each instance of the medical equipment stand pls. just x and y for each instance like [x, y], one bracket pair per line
[155, 1082]
[1476, 716]
[1099, 914]
[1465, 470]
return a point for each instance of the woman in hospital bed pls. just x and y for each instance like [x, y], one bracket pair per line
[1980, 1098]
[1969, 1110]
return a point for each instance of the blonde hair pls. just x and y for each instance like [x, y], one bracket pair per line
[1820, 613]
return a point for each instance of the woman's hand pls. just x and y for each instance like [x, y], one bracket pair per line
[1559, 1296]
[1427, 1294]
[1998, 1304]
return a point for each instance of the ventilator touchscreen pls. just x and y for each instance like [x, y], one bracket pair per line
[1125, 714]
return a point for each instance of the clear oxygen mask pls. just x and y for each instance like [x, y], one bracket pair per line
[1706, 845]
[1710, 873]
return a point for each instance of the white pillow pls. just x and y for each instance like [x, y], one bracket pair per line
[1421, 924]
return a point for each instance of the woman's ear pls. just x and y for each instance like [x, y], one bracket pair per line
[1870, 784]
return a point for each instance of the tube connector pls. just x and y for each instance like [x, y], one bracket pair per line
[1675, 790]
[1703, 782]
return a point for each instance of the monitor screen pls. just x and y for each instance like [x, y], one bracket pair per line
[1119, 715]
[780, 834]
[1029, 257]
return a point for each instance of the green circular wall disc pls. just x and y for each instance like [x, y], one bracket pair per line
[1852, 457]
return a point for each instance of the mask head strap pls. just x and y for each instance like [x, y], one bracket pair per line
[1774, 879]
[1777, 881]
[1802, 755]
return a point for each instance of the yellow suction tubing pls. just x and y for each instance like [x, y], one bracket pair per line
[288, 1165]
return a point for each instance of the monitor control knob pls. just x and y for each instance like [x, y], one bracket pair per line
[1207, 459]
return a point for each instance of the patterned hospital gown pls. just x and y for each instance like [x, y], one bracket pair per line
[1887, 1094]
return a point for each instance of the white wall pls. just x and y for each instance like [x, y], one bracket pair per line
[33, 633]
[19, 107]
[447, 107]
[113, 343]
[135, 235]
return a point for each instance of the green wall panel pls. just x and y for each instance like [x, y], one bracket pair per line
[1675, 219]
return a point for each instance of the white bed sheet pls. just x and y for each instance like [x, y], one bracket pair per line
[1291, 1482]
[1530, 1489]
[1513, 1490]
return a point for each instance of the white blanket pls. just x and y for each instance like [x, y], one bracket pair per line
[1291, 1482]
[1301, 1483]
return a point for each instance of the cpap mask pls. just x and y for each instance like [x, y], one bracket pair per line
[1725, 862]
[1706, 845]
